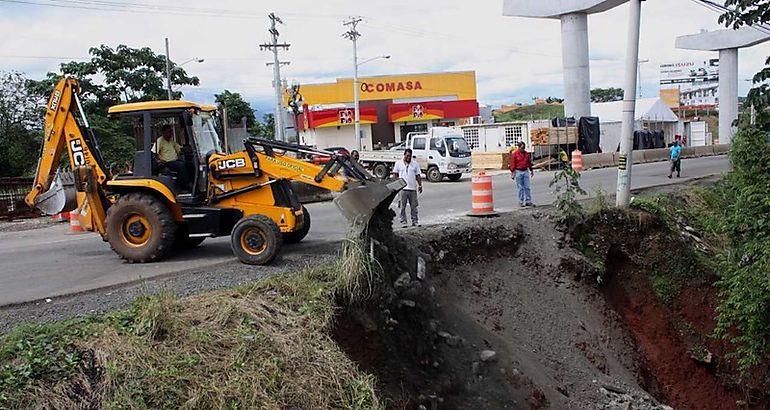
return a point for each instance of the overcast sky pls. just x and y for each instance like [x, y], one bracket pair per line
[515, 59]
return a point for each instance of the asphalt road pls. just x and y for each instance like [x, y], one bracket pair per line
[47, 262]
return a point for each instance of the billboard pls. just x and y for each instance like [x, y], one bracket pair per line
[690, 84]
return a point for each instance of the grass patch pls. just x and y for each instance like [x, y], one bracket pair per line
[263, 345]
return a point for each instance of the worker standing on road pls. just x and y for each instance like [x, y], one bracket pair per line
[521, 172]
[409, 171]
[676, 159]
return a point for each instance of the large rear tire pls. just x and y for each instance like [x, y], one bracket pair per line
[298, 236]
[434, 175]
[140, 228]
[381, 171]
[256, 240]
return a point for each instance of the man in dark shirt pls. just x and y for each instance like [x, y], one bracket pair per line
[521, 171]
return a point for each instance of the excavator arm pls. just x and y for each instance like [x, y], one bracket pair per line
[66, 128]
[361, 192]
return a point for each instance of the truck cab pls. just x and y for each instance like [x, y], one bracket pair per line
[441, 152]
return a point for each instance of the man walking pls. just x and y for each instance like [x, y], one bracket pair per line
[521, 171]
[676, 159]
[409, 171]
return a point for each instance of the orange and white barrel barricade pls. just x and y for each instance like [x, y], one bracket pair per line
[60, 217]
[75, 226]
[577, 160]
[482, 203]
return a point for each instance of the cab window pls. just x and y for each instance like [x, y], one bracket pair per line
[438, 145]
[418, 143]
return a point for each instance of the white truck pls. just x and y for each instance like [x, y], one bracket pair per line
[441, 152]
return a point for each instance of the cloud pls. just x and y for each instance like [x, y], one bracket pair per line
[514, 58]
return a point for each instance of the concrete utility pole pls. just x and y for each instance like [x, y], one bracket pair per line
[352, 34]
[274, 46]
[168, 72]
[626, 159]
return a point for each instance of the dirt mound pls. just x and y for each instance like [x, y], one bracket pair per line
[492, 314]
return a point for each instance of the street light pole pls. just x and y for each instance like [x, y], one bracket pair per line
[625, 160]
[641, 61]
[356, 102]
[168, 72]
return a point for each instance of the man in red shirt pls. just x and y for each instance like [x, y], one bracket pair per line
[521, 171]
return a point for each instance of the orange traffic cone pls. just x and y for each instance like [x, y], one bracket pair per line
[75, 226]
[481, 196]
[58, 217]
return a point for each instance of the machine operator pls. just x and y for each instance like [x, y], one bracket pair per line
[168, 152]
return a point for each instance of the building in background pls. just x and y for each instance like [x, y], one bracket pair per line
[690, 84]
[391, 107]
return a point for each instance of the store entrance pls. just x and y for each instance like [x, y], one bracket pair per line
[406, 129]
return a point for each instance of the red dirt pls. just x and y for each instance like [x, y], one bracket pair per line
[680, 381]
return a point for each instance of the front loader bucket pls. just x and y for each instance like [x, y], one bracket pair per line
[358, 203]
[62, 196]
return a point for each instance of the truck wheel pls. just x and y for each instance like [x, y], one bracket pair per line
[454, 177]
[297, 236]
[140, 228]
[434, 175]
[256, 240]
[381, 171]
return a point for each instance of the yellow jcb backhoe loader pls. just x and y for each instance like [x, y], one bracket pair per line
[165, 203]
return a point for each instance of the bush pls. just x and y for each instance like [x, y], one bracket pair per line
[744, 313]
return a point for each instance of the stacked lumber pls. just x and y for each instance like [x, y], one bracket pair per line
[554, 136]
[488, 160]
[539, 136]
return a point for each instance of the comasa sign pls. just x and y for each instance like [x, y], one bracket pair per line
[392, 86]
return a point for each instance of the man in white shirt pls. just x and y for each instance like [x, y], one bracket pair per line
[409, 171]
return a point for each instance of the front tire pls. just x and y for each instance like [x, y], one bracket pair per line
[434, 175]
[381, 171]
[140, 228]
[256, 240]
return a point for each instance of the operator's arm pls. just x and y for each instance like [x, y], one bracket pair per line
[394, 172]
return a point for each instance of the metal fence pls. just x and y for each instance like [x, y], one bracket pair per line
[12, 193]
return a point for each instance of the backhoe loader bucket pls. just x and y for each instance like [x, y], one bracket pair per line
[359, 202]
[61, 197]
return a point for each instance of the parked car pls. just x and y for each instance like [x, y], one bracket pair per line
[399, 147]
[320, 159]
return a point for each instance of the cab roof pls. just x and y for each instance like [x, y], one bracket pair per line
[156, 105]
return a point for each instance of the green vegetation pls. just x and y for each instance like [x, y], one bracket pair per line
[20, 125]
[258, 346]
[606, 94]
[566, 188]
[532, 112]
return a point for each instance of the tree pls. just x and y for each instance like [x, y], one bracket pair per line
[237, 108]
[266, 128]
[551, 100]
[115, 76]
[606, 94]
[20, 125]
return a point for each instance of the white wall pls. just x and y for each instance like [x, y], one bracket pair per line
[491, 137]
[338, 137]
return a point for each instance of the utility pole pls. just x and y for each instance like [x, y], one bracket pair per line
[274, 46]
[641, 61]
[626, 159]
[352, 34]
[168, 72]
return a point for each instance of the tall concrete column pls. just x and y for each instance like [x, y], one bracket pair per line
[728, 93]
[577, 74]
[727, 42]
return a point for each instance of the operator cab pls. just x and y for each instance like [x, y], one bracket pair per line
[173, 142]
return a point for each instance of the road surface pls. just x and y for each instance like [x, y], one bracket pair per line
[44, 263]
